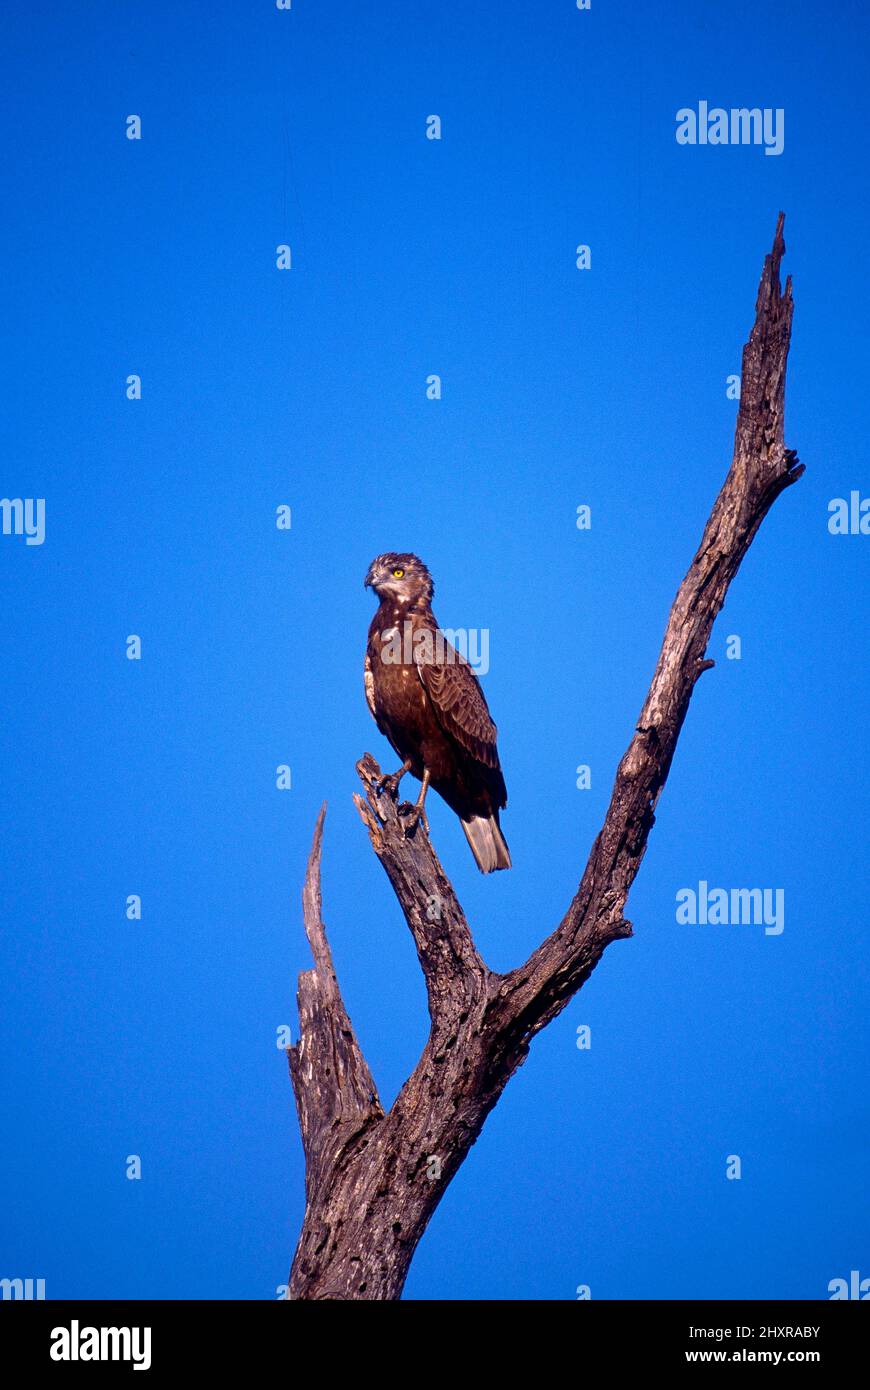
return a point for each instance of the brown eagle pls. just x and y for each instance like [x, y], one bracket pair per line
[426, 699]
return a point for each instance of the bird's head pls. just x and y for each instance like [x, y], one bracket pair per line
[402, 577]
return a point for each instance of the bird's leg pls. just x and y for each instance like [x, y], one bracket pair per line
[417, 812]
[391, 780]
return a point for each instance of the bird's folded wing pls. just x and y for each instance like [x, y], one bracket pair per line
[459, 702]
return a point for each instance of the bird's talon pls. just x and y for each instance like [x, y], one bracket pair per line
[415, 816]
[389, 783]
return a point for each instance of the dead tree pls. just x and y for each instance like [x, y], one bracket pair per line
[373, 1179]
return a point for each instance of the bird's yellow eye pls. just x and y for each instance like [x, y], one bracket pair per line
[398, 574]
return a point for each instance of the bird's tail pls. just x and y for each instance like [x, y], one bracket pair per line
[488, 844]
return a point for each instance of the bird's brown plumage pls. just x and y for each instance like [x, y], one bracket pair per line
[427, 701]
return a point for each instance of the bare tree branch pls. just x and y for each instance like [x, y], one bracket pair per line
[335, 1094]
[373, 1180]
[455, 974]
[761, 469]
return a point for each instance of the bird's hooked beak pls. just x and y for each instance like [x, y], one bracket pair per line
[369, 581]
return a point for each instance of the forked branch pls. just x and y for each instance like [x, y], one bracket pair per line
[373, 1180]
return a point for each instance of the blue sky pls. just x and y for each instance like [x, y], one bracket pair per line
[307, 387]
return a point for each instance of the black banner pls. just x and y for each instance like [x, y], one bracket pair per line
[67, 1338]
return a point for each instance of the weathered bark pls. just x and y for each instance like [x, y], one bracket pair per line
[374, 1180]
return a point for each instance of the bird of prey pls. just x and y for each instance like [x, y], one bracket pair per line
[427, 701]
